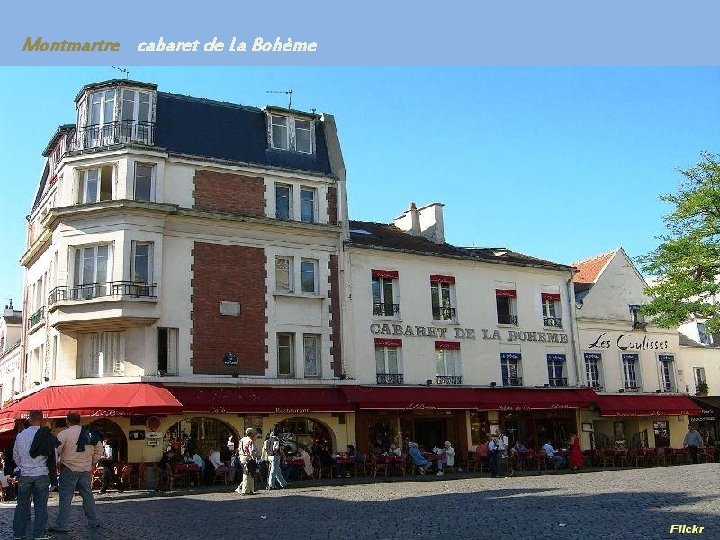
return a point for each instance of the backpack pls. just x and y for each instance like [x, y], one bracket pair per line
[268, 446]
[89, 435]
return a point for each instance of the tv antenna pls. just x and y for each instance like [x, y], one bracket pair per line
[122, 70]
[286, 92]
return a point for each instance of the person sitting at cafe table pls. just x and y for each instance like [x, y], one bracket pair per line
[417, 458]
[341, 469]
[550, 454]
[219, 465]
[395, 450]
[307, 460]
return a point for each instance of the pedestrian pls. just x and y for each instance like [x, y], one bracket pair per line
[693, 441]
[32, 481]
[496, 448]
[248, 461]
[79, 448]
[272, 449]
[576, 457]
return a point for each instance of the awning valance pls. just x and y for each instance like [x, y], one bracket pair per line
[437, 278]
[506, 293]
[513, 398]
[646, 405]
[417, 398]
[386, 274]
[260, 399]
[97, 400]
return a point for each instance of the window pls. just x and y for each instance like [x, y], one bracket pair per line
[102, 356]
[142, 262]
[284, 274]
[143, 189]
[286, 355]
[442, 296]
[96, 185]
[667, 372]
[101, 118]
[506, 301]
[593, 363]
[287, 133]
[551, 310]
[447, 362]
[704, 336]
[388, 367]
[91, 271]
[303, 137]
[311, 355]
[283, 201]
[556, 369]
[280, 132]
[631, 371]
[510, 369]
[385, 298]
[661, 430]
[307, 205]
[700, 380]
[135, 116]
[638, 319]
[309, 276]
[167, 351]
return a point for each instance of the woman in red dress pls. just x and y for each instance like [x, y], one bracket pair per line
[576, 458]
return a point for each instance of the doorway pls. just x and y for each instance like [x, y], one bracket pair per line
[430, 432]
[115, 437]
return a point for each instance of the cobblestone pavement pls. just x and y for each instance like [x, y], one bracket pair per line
[639, 503]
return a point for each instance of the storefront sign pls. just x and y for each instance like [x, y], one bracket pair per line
[386, 329]
[287, 410]
[137, 435]
[629, 342]
[415, 406]
[521, 335]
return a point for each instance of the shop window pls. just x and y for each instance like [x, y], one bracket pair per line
[442, 296]
[667, 372]
[506, 302]
[510, 368]
[386, 299]
[631, 371]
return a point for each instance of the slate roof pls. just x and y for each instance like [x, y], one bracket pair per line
[228, 132]
[389, 237]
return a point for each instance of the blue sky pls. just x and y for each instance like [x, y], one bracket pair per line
[560, 163]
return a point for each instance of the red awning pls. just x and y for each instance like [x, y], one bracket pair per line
[97, 400]
[418, 398]
[512, 398]
[646, 405]
[260, 399]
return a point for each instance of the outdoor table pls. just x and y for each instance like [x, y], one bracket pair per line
[188, 469]
[678, 455]
[346, 460]
[392, 460]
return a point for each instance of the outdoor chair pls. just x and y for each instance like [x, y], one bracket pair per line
[378, 466]
[176, 479]
[540, 460]
[143, 475]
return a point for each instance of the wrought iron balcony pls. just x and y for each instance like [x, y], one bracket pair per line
[555, 322]
[88, 291]
[507, 319]
[595, 385]
[389, 378]
[443, 313]
[381, 309]
[112, 133]
[36, 318]
[448, 379]
[512, 381]
[558, 381]
[632, 385]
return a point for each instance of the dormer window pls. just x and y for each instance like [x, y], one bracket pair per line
[288, 133]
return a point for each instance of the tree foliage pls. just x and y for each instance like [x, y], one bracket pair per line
[686, 264]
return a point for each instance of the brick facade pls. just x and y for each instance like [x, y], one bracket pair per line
[332, 205]
[235, 274]
[336, 347]
[227, 192]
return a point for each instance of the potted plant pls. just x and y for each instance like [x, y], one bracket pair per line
[702, 388]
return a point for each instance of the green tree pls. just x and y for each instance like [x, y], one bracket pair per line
[686, 264]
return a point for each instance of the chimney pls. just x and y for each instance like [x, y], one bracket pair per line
[9, 310]
[409, 221]
[432, 225]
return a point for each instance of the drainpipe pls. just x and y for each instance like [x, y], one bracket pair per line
[574, 336]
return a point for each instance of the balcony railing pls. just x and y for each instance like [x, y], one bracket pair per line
[632, 386]
[512, 381]
[389, 378]
[88, 291]
[36, 318]
[385, 310]
[555, 322]
[507, 319]
[112, 133]
[448, 379]
[443, 313]
[558, 381]
[595, 385]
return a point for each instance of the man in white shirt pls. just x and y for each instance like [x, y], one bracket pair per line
[214, 458]
[497, 446]
[272, 448]
[33, 481]
[556, 461]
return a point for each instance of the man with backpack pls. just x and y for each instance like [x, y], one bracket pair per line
[79, 448]
[272, 449]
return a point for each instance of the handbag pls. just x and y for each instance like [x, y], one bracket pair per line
[251, 466]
